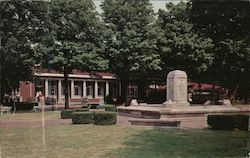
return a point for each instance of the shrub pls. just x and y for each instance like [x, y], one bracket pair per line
[82, 110]
[108, 99]
[105, 118]
[109, 107]
[228, 122]
[92, 106]
[21, 106]
[82, 117]
[242, 122]
[66, 114]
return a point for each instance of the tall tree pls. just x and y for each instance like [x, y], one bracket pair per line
[131, 46]
[227, 23]
[74, 40]
[181, 46]
[21, 23]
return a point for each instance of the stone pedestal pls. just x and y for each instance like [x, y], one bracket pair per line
[176, 89]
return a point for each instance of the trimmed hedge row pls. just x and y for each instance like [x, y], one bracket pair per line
[98, 118]
[22, 106]
[229, 122]
[66, 114]
[82, 117]
[82, 110]
[105, 118]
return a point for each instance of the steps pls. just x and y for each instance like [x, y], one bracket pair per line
[155, 122]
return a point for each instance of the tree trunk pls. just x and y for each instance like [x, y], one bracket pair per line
[213, 94]
[125, 84]
[66, 86]
[142, 90]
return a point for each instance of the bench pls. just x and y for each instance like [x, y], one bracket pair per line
[5, 109]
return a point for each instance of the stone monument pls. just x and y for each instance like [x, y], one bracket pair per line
[177, 89]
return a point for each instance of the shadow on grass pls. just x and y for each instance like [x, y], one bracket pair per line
[168, 143]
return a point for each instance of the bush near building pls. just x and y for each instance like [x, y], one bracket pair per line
[105, 118]
[82, 117]
[66, 114]
[229, 122]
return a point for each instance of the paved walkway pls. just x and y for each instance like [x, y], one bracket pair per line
[197, 122]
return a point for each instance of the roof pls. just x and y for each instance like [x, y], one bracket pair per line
[75, 74]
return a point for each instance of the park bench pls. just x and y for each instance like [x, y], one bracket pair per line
[5, 109]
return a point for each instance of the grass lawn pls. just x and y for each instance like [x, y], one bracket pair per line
[91, 141]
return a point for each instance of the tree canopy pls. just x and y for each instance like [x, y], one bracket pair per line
[181, 47]
[131, 47]
[21, 23]
[74, 40]
[227, 23]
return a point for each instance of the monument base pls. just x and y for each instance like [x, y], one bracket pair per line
[170, 103]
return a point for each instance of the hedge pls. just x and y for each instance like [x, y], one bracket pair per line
[82, 117]
[105, 118]
[25, 105]
[82, 110]
[228, 122]
[93, 106]
[66, 114]
[109, 107]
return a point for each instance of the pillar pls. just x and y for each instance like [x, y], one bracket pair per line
[59, 91]
[107, 88]
[46, 89]
[96, 89]
[84, 89]
[72, 89]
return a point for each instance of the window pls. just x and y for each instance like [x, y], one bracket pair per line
[78, 88]
[52, 87]
[89, 90]
[100, 89]
[63, 88]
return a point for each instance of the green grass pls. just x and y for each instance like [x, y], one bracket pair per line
[69, 141]
[162, 143]
[30, 116]
[91, 141]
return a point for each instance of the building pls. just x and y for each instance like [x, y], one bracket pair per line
[81, 84]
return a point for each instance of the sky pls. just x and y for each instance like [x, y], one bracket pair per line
[157, 4]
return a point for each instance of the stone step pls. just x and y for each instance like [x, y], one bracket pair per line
[155, 122]
[139, 113]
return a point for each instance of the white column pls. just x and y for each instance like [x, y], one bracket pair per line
[84, 89]
[107, 88]
[59, 91]
[46, 88]
[72, 88]
[96, 89]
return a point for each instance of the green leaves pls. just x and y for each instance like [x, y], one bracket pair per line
[132, 46]
[181, 46]
[76, 39]
[21, 24]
